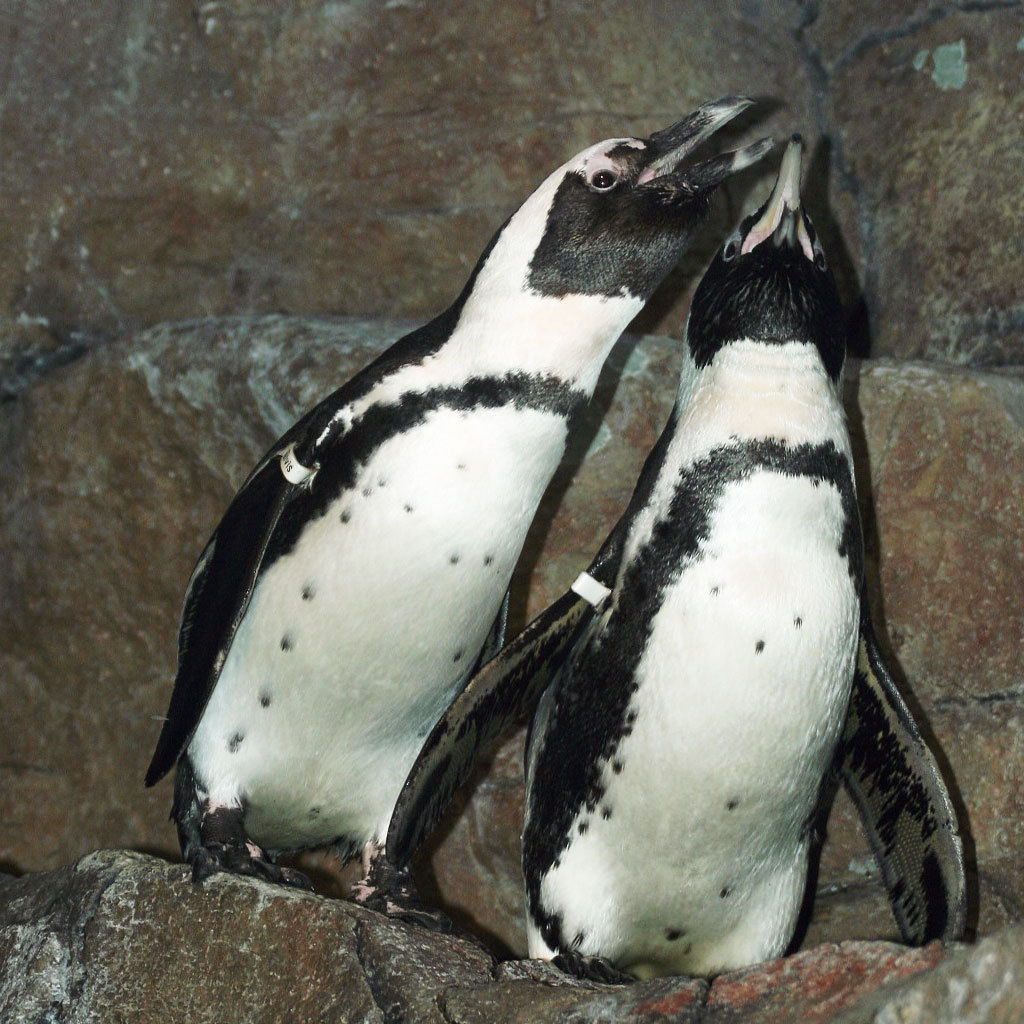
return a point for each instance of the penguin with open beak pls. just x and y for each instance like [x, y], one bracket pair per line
[695, 684]
[359, 576]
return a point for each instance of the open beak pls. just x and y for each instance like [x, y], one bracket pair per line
[782, 218]
[672, 145]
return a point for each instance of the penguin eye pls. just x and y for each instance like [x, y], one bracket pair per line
[730, 250]
[604, 180]
[819, 260]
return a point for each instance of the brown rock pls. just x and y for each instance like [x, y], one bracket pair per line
[813, 986]
[925, 107]
[983, 983]
[169, 160]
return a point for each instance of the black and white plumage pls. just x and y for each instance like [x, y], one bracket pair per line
[678, 756]
[360, 572]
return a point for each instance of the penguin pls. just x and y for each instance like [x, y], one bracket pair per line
[701, 685]
[360, 574]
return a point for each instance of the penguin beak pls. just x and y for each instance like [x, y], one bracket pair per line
[782, 217]
[670, 146]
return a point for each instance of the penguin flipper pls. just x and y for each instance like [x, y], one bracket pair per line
[505, 690]
[216, 600]
[904, 803]
[500, 693]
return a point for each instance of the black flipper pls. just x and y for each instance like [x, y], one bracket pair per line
[216, 600]
[904, 804]
[504, 691]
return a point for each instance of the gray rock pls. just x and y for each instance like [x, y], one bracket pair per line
[120, 936]
[982, 983]
[125, 937]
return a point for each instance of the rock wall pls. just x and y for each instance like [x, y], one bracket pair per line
[209, 215]
[164, 160]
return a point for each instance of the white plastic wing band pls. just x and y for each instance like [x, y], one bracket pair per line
[294, 471]
[590, 589]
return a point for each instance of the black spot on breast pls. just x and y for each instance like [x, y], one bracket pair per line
[264, 700]
[408, 507]
[673, 934]
[577, 940]
[458, 655]
[488, 559]
[461, 465]
[345, 516]
[582, 827]
[606, 813]
[732, 804]
[308, 592]
[725, 892]
[688, 949]
[616, 767]
[630, 717]
[367, 491]
[314, 813]
[382, 481]
[287, 642]
[454, 559]
[715, 591]
[759, 647]
[798, 622]
[235, 742]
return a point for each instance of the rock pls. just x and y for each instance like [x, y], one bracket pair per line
[167, 160]
[121, 936]
[923, 106]
[983, 983]
[101, 525]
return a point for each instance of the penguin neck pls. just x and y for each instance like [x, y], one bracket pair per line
[753, 389]
[568, 337]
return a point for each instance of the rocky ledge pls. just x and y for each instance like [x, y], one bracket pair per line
[125, 937]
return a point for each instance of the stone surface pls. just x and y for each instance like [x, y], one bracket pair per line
[118, 466]
[924, 109]
[163, 161]
[120, 936]
[983, 983]
[123, 937]
[168, 160]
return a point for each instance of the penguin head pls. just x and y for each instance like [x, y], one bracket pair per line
[770, 282]
[610, 223]
[618, 216]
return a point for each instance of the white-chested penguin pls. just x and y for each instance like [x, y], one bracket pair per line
[361, 571]
[677, 761]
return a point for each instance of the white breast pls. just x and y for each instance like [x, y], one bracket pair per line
[695, 859]
[355, 641]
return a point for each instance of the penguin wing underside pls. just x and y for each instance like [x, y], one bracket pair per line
[216, 601]
[904, 804]
[504, 691]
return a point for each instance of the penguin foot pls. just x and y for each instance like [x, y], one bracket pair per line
[223, 847]
[591, 968]
[391, 891]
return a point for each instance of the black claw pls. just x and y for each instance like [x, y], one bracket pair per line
[391, 891]
[591, 968]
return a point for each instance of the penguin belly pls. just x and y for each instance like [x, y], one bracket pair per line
[356, 640]
[693, 859]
